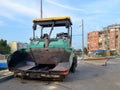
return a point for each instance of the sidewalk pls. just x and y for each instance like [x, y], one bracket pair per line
[96, 61]
[5, 75]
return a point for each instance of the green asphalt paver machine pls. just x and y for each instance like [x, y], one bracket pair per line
[46, 57]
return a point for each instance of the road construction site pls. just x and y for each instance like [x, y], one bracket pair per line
[88, 76]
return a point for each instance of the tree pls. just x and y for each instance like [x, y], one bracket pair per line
[85, 50]
[77, 51]
[4, 48]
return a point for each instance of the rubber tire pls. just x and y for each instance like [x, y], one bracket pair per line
[73, 68]
[74, 65]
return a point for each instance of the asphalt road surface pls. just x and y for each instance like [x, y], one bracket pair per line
[86, 77]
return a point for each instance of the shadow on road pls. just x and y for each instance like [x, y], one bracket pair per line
[84, 71]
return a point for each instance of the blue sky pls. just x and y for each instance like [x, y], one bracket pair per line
[16, 16]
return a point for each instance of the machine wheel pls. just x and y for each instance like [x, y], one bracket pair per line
[72, 68]
[74, 65]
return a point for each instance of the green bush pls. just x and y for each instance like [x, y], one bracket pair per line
[113, 53]
[4, 48]
[103, 54]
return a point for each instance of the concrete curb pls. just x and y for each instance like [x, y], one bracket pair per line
[97, 62]
[5, 78]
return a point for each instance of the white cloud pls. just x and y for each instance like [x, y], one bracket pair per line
[102, 6]
[65, 6]
[18, 8]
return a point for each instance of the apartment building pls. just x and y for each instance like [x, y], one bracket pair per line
[114, 37]
[113, 41]
[93, 41]
[107, 39]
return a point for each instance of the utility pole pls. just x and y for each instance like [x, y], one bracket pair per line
[82, 39]
[41, 9]
[41, 15]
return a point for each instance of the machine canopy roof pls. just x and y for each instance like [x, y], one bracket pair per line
[54, 21]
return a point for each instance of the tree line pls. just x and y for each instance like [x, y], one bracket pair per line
[4, 47]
